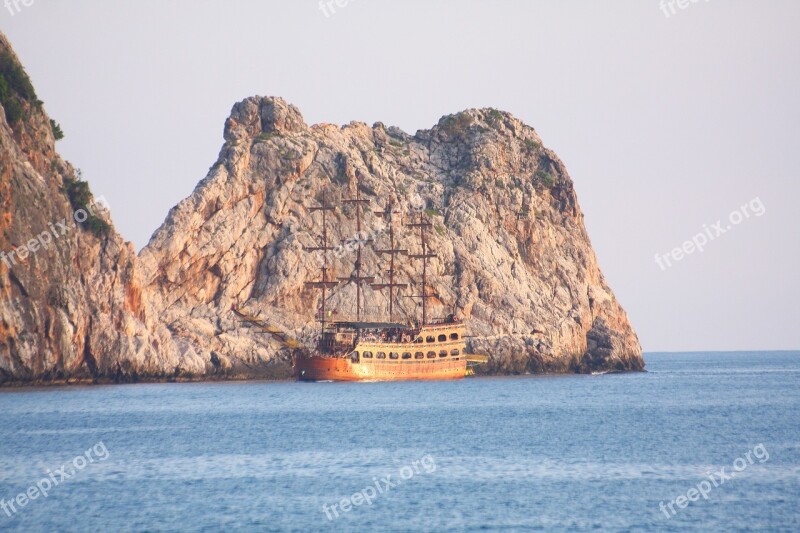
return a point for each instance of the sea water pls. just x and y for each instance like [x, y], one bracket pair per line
[704, 441]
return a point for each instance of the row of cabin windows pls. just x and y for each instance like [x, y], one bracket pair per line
[406, 355]
[442, 338]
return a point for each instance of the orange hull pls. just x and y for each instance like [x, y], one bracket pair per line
[320, 368]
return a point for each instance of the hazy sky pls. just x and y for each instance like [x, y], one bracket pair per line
[666, 123]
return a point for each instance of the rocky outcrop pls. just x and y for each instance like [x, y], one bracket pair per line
[514, 259]
[71, 302]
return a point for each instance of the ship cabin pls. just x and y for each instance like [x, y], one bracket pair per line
[364, 341]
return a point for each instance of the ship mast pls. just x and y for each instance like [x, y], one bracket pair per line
[324, 282]
[358, 279]
[392, 251]
[423, 225]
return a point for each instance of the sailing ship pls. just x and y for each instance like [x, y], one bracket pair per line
[364, 350]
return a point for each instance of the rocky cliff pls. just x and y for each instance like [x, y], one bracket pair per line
[71, 303]
[513, 257]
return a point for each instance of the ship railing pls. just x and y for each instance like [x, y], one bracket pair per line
[441, 321]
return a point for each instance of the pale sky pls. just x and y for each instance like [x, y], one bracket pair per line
[666, 123]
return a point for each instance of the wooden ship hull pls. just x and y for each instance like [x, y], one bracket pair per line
[437, 354]
[325, 368]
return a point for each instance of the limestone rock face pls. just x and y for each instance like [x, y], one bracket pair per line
[513, 257]
[71, 301]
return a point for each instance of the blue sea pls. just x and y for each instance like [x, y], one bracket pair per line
[702, 441]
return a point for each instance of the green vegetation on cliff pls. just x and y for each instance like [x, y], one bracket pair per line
[80, 197]
[14, 85]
